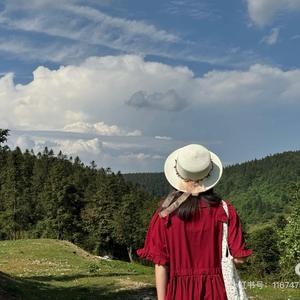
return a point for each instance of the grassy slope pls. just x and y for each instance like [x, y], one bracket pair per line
[51, 269]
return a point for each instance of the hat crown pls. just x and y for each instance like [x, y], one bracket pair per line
[193, 162]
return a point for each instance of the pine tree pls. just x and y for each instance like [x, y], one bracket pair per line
[11, 218]
[3, 138]
[127, 222]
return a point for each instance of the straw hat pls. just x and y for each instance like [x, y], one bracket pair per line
[193, 169]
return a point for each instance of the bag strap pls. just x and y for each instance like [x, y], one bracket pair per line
[225, 248]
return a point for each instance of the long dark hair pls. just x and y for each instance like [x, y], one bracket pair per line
[190, 207]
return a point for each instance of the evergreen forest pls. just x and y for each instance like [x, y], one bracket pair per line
[48, 196]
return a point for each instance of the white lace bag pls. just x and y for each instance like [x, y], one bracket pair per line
[233, 284]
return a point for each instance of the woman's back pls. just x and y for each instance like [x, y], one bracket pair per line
[187, 252]
[192, 250]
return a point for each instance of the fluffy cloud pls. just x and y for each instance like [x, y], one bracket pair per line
[259, 84]
[100, 128]
[80, 147]
[139, 156]
[91, 97]
[85, 148]
[88, 96]
[262, 12]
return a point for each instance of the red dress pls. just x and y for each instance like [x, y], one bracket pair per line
[192, 250]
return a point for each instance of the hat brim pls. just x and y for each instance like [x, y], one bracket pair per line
[178, 183]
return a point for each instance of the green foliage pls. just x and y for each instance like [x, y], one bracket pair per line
[48, 196]
[129, 229]
[3, 138]
[94, 268]
[289, 244]
[127, 220]
[265, 259]
[280, 222]
[153, 183]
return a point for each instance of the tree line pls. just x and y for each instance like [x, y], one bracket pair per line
[48, 196]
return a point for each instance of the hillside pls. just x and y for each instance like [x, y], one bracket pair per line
[55, 196]
[259, 189]
[52, 269]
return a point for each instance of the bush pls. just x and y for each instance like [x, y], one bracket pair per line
[265, 259]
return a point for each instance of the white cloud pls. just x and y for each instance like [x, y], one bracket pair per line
[25, 142]
[272, 38]
[85, 148]
[80, 147]
[262, 12]
[83, 24]
[295, 37]
[100, 128]
[127, 155]
[167, 138]
[123, 146]
[191, 8]
[91, 97]
[54, 52]
[76, 31]
[135, 132]
[139, 157]
[128, 27]
[82, 97]
[259, 84]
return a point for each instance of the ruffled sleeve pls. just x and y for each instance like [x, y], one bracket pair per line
[236, 243]
[155, 246]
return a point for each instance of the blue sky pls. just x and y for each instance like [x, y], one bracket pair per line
[126, 82]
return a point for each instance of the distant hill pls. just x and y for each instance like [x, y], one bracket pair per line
[154, 183]
[257, 188]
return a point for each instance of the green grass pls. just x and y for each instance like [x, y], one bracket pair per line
[52, 269]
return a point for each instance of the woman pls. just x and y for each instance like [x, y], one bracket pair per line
[184, 238]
